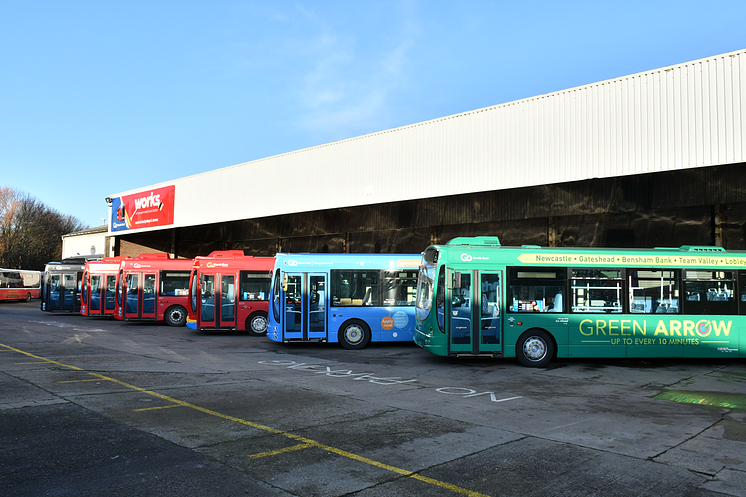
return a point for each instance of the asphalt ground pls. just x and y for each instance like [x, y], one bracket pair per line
[97, 407]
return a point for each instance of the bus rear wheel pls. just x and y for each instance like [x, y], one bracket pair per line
[256, 324]
[28, 297]
[175, 316]
[535, 348]
[354, 335]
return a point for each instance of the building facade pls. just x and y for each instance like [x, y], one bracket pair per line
[90, 242]
[651, 159]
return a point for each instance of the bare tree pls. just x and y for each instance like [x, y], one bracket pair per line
[10, 200]
[30, 232]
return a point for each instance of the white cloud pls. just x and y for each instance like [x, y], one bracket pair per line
[347, 88]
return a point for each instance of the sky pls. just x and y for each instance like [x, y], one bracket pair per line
[98, 98]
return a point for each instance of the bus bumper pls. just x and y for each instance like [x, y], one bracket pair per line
[426, 342]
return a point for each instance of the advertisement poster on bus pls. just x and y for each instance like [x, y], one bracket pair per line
[143, 210]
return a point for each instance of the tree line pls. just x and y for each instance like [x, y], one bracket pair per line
[30, 232]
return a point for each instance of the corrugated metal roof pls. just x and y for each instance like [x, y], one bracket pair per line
[683, 116]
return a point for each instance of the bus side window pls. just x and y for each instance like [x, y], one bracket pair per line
[597, 290]
[742, 292]
[710, 292]
[254, 285]
[536, 289]
[557, 303]
[357, 288]
[654, 291]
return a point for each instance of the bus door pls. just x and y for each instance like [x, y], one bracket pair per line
[62, 292]
[93, 292]
[474, 312]
[218, 301]
[110, 293]
[52, 292]
[139, 302]
[305, 297]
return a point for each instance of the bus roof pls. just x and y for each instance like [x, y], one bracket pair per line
[228, 253]
[475, 240]
[155, 263]
[105, 264]
[154, 256]
[479, 252]
[233, 259]
[62, 266]
[348, 261]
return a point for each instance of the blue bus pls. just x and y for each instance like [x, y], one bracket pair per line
[352, 299]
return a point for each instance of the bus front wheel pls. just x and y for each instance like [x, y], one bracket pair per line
[354, 335]
[256, 324]
[175, 316]
[28, 297]
[535, 348]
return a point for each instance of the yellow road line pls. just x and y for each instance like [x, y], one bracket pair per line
[302, 440]
[280, 451]
[155, 408]
[77, 381]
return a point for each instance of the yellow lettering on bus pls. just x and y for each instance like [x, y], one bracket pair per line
[642, 329]
[688, 328]
[586, 327]
[600, 327]
[675, 328]
[721, 326]
[626, 327]
[613, 326]
[661, 329]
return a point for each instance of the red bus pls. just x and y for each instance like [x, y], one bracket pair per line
[99, 286]
[153, 287]
[229, 291]
[20, 284]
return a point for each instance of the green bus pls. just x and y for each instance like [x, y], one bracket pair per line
[478, 298]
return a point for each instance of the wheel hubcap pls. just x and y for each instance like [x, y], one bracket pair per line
[535, 349]
[259, 324]
[353, 334]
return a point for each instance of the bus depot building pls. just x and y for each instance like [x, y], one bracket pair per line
[647, 160]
